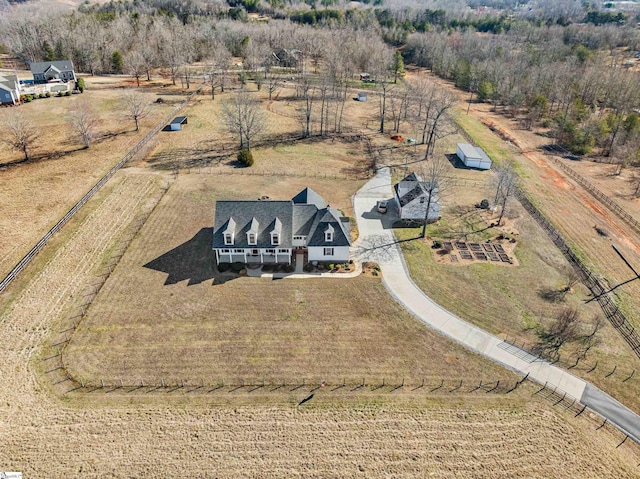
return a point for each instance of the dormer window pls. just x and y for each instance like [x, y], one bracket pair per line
[252, 234]
[328, 234]
[276, 232]
[229, 233]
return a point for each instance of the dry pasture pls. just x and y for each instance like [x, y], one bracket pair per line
[37, 193]
[166, 313]
[154, 435]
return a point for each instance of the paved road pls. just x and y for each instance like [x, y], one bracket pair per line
[377, 243]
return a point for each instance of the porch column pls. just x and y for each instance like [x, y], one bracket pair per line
[244, 252]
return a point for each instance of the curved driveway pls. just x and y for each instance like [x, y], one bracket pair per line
[377, 243]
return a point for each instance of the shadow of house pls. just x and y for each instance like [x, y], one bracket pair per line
[193, 261]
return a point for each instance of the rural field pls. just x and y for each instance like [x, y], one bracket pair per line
[122, 433]
[587, 225]
[37, 193]
[164, 313]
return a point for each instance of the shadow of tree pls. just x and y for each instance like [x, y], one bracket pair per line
[193, 261]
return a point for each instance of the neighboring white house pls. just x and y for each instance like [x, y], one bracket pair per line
[268, 231]
[472, 156]
[411, 196]
[9, 90]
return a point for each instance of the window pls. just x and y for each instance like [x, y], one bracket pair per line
[251, 238]
[298, 238]
[241, 251]
[328, 251]
[422, 200]
[270, 251]
[275, 239]
[255, 252]
[228, 238]
[284, 251]
[328, 236]
[226, 251]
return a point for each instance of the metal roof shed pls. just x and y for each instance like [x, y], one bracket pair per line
[473, 157]
[177, 122]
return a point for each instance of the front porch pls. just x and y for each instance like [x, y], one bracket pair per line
[254, 256]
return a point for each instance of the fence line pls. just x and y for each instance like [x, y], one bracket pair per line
[595, 192]
[610, 309]
[219, 170]
[574, 406]
[427, 385]
[24, 262]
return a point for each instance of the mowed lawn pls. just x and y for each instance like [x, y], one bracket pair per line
[164, 313]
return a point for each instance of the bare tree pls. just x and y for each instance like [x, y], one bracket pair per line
[435, 182]
[564, 329]
[635, 184]
[136, 65]
[83, 122]
[20, 134]
[442, 101]
[218, 65]
[506, 185]
[307, 91]
[555, 295]
[274, 84]
[244, 117]
[137, 106]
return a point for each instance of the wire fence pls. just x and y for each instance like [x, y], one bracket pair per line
[615, 316]
[24, 262]
[222, 170]
[595, 192]
[567, 402]
[430, 385]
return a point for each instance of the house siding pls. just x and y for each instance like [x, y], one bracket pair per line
[340, 253]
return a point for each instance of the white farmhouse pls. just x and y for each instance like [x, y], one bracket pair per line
[472, 156]
[256, 231]
[411, 196]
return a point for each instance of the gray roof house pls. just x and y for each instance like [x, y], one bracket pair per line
[9, 90]
[256, 231]
[411, 195]
[44, 72]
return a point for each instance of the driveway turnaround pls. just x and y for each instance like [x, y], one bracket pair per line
[375, 243]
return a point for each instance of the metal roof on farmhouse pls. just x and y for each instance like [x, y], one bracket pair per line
[41, 67]
[410, 188]
[290, 218]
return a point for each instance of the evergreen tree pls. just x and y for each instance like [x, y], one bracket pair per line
[398, 66]
[117, 62]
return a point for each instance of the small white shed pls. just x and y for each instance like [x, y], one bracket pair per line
[473, 157]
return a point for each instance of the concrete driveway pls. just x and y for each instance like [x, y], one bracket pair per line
[377, 243]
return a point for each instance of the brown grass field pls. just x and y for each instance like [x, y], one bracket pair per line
[37, 193]
[159, 316]
[99, 434]
[574, 211]
[163, 319]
